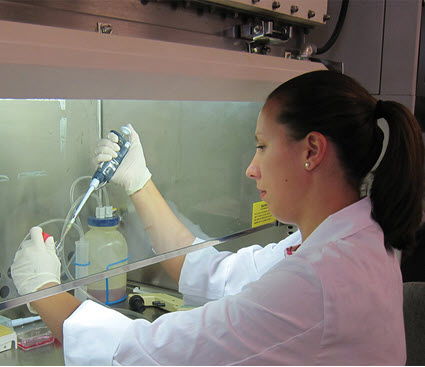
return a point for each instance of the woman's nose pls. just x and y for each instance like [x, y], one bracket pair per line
[252, 171]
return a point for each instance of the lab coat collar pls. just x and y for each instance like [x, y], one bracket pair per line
[343, 223]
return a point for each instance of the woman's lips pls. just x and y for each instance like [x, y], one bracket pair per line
[262, 193]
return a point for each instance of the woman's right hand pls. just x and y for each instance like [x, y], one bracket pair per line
[132, 173]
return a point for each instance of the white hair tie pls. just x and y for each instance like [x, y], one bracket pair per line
[368, 181]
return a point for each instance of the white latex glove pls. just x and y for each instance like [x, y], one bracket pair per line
[36, 263]
[132, 173]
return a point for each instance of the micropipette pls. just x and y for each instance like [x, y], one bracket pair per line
[103, 174]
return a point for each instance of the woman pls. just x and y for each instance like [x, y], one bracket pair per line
[331, 293]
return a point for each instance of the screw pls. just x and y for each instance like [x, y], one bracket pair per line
[326, 17]
[257, 29]
[311, 14]
[255, 1]
[104, 28]
[276, 5]
[295, 9]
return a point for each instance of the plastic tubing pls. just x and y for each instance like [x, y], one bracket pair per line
[68, 218]
[71, 197]
[74, 184]
[105, 195]
[60, 250]
[77, 226]
[74, 204]
[66, 222]
[80, 231]
[61, 254]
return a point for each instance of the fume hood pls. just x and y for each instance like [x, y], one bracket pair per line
[195, 108]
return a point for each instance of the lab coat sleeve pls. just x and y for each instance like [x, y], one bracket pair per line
[255, 327]
[91, 335]
[209, 274]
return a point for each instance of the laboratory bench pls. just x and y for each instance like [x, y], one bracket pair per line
[52, 354]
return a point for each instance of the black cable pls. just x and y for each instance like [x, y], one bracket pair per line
[337, 30]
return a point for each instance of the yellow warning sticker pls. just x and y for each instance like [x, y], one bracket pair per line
[261, 214]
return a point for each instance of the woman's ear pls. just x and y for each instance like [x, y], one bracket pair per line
[315, 149]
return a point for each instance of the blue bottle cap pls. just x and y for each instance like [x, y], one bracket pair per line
[103, 222]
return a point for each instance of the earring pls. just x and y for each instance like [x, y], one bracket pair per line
[307, 165]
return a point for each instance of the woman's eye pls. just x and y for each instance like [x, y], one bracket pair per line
[260, 147]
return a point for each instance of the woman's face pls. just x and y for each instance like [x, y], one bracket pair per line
[278, 166]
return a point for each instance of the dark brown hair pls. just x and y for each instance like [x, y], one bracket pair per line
[342, 110]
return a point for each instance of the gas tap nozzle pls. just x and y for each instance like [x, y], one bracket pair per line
[104, 172]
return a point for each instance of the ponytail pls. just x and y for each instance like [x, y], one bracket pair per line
[398, 184]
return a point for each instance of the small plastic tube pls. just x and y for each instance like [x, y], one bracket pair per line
[25, 320]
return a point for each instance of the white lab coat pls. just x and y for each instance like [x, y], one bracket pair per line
[336, 300]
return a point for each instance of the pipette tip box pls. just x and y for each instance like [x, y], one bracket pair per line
[7, 336]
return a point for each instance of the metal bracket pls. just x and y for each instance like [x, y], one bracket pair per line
[261, 34]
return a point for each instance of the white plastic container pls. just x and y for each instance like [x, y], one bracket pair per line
[107, 250]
